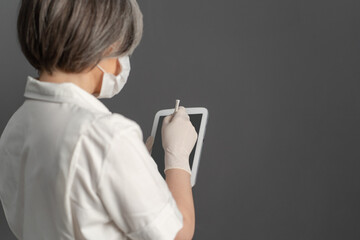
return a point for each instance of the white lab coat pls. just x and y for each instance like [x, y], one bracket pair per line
[71, 169]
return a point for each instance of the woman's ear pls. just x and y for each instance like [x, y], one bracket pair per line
[110, 65]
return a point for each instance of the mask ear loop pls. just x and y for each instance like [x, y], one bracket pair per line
[101, 69]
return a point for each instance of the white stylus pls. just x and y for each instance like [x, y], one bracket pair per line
[177, 105]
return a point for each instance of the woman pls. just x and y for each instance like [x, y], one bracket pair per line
[71, 169]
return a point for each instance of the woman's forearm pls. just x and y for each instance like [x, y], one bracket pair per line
[179, 182]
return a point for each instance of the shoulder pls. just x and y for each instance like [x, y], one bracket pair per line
[116, 123]
[107, 127]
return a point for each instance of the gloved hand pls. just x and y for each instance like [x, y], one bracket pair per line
[149, 143]
[178, 139]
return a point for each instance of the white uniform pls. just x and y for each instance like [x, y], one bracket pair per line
[71, 169]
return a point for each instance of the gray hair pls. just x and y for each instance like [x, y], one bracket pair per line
[74, 35]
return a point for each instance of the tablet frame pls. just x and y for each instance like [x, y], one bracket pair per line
[201, 134]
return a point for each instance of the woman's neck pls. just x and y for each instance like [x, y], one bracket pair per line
[87, 81]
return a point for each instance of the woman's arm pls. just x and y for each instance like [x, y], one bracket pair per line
[179, 182]
[178, 139]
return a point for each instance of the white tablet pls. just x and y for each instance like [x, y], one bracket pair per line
[198, 117]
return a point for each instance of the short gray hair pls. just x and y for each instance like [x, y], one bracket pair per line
[74, 35]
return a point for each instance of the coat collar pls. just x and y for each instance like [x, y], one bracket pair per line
[62, 93]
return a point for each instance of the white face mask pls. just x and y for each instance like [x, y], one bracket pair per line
[111, 84]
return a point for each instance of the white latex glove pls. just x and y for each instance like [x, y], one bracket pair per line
[149, 143]
[178, 139]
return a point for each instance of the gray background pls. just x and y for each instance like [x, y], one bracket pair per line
[281, 81]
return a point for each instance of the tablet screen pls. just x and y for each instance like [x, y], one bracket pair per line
[158, 151]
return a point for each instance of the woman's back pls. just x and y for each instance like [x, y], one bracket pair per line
[52, 155]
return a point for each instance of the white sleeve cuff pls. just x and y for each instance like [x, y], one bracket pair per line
[164, 227]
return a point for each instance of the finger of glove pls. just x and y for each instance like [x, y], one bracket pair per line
[181, 113]
[167, 119]
[149, 143]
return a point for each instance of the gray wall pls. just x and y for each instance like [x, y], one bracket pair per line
[281, 81]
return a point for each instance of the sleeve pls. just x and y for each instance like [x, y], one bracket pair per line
[134, 193]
